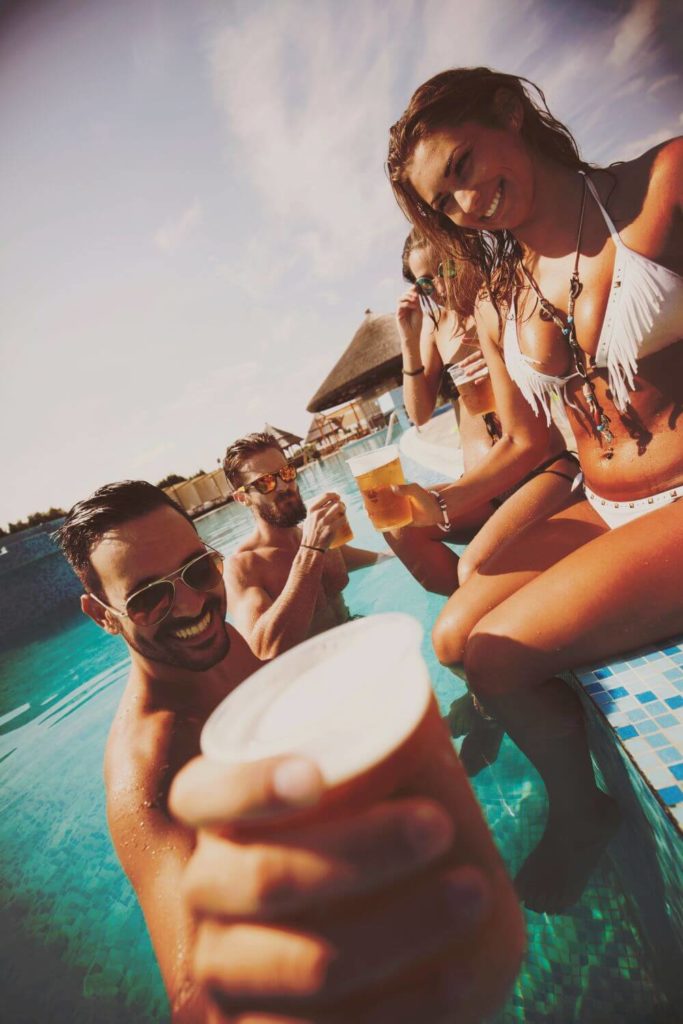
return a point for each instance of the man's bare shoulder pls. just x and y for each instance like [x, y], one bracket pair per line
[137, 748]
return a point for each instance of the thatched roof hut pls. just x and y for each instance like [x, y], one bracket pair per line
[370, 365]
[284, 438]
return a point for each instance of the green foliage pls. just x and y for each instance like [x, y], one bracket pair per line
[35, 519]
[172, 478]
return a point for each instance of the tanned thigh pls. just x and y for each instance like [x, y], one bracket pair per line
[618, 591]
[539, 498]
[511, 567]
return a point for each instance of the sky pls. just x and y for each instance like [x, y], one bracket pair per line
[194, 213]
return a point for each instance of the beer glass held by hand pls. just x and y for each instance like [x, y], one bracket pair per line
[356, 701]
[376, 472]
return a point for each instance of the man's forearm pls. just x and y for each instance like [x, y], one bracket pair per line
[287, 622]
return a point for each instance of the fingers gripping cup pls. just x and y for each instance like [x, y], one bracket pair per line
[375, 473]
[357, 700]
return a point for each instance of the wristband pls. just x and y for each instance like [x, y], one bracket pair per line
[312, 547]
[441, 501]
[413, 373]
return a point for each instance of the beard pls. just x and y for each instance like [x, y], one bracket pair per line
[289, 511]
[165, 649]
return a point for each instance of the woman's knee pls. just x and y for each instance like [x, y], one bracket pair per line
[449, 636]
[467, 566]
[495, 663]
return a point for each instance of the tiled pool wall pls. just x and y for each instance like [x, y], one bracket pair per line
[634, 707]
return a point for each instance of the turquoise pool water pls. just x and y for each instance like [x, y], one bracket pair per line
[74, 945]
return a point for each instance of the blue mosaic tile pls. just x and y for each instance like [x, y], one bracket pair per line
[673, 674]
[619, 691]
[657, 708]
[671, 650]
[674, 702]
[636, 716]
[602, 673]
[671, 795]
[677, 770]
[646, 697]
[647, 727]
[627, 732]
[666, 721]
[669, 755]
[594, 688]
[657, 740]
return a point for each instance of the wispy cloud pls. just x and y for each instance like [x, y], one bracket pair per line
[635, 32]
[171, 235]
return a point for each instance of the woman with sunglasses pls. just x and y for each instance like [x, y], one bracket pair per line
[431, 340]
[582, 300]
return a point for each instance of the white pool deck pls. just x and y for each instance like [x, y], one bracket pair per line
[639, 693]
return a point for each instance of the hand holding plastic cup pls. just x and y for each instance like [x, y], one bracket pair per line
[357, 701]
[343, 533]
[375, 473]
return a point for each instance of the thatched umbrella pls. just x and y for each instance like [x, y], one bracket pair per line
[284, 438]
[370, 365]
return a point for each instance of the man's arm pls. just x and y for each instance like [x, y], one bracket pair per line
[154, 850]
[270, 624]
[273, 625]
[359, 558]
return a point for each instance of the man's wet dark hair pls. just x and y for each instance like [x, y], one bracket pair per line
[90, 519]
[241, 449]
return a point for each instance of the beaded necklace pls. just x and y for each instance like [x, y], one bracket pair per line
[600, 420]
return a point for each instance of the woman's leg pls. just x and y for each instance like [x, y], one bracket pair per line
[505, 572]
[425, 555]
[613, 593]
[538, 498]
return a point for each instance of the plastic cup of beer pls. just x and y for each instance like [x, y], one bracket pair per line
[375, 473]
[358, 701]
[343, 534]
[475, 390]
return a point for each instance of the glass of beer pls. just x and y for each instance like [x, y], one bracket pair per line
[357, 700]
[478, 398]
[375, 473]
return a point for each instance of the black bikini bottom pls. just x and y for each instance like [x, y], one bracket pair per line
[542, 468]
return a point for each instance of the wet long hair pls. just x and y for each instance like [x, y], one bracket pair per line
[486, 259]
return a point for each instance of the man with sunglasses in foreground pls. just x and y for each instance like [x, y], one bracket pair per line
[284, 583]
[243, 913]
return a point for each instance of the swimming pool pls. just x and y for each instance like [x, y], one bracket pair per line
[74, 944]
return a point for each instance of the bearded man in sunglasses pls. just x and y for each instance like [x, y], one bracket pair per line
[213, 892]
[284, 582]
[150, 578]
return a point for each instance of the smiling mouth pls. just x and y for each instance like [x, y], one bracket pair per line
[189, 632]
[495, 203]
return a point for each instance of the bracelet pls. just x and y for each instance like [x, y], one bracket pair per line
[312, 547]
[441, 501]
[413, 373]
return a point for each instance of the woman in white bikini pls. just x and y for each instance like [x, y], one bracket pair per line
[575, 306]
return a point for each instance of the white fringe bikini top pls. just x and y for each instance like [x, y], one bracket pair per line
[644, 314]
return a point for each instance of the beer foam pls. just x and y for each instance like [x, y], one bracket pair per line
[368, 461]
[345, 698]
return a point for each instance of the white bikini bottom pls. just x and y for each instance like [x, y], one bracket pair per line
[616, 513]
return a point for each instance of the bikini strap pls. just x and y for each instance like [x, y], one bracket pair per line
[608, 220]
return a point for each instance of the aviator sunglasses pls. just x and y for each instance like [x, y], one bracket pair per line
[268, 482]
[153, 602]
